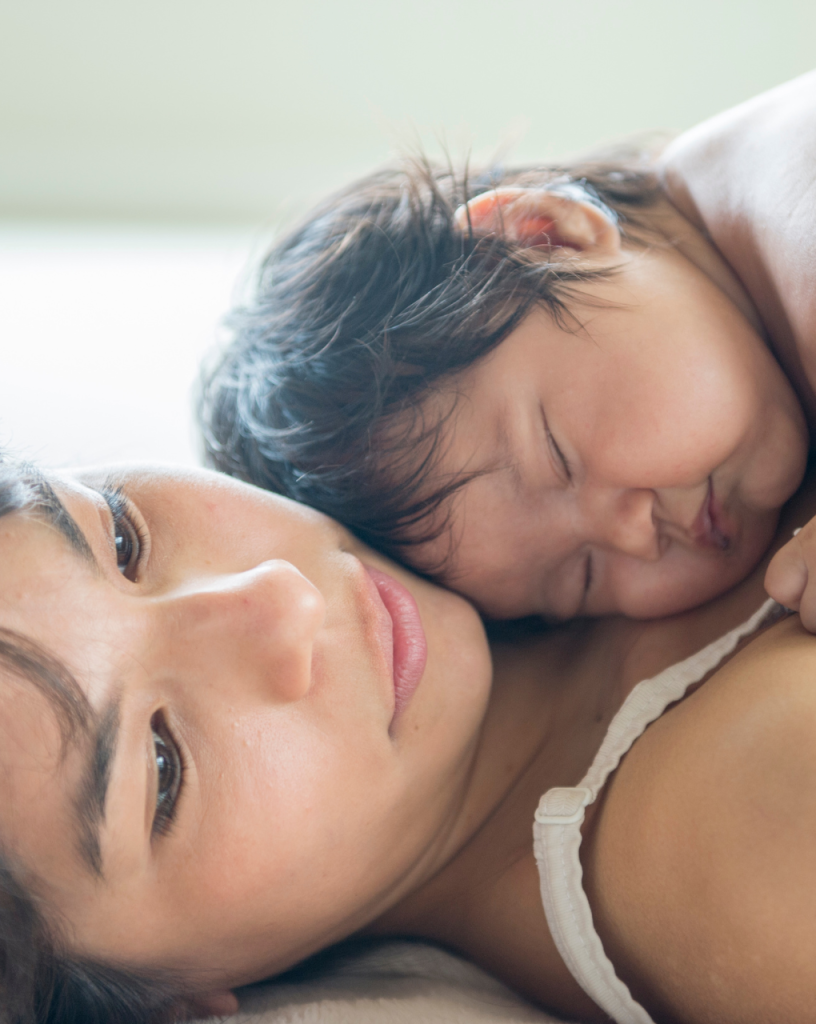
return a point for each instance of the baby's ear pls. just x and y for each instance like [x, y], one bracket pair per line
[539, 217]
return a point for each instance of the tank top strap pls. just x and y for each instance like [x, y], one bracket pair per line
[561, 811]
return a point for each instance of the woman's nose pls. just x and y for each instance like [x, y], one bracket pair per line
[623, 520]
[249, 631]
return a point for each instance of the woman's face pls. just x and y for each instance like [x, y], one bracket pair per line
[271, 762]
[634, 466]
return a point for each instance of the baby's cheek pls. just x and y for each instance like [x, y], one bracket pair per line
[679, 581]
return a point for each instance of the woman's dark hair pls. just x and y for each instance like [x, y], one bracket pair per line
[377, 299]
[40, 983]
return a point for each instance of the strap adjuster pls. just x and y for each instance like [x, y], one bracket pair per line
[563, 805]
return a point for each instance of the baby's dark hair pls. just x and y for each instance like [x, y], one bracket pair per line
[375, 301]
[40, 981]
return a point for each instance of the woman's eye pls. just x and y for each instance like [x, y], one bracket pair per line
[169, 774]
[127, 545]
[127, 540]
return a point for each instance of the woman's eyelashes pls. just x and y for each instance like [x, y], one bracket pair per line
[128, 533]
[169, 775]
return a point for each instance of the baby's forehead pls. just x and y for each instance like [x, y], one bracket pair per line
[463, 473]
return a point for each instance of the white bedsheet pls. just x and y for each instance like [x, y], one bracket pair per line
[389, 983]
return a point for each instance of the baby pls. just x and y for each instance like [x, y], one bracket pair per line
[546, 387]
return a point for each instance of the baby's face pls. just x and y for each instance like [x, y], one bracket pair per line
[636, 465]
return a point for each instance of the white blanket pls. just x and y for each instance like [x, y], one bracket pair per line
[387, 983]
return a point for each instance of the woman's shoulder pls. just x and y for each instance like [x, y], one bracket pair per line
[701, 859]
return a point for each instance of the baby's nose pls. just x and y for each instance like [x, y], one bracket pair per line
[624, 521]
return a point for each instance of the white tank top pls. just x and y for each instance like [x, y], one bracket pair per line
[560, 814]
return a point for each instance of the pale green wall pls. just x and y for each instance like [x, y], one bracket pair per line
[237, 109]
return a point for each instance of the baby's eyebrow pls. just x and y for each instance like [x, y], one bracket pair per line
[505, 459]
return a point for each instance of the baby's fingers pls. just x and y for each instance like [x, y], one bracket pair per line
[791, 576]
[787, 575]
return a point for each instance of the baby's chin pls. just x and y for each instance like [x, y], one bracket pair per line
[710, 583]
[664, 605]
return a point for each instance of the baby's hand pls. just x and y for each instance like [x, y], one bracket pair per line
[791, 575]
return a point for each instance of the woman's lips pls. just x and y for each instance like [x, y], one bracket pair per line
[410, 648]
[709, 528]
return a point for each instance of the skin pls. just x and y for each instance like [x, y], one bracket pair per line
[250, 628]
[597, 441]
[700, 864]
[308, 814]
[248, 634]
[746, 178]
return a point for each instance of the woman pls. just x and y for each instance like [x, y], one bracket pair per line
[232, 735]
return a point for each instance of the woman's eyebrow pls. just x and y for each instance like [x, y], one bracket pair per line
[89, 805]
[50, 507]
